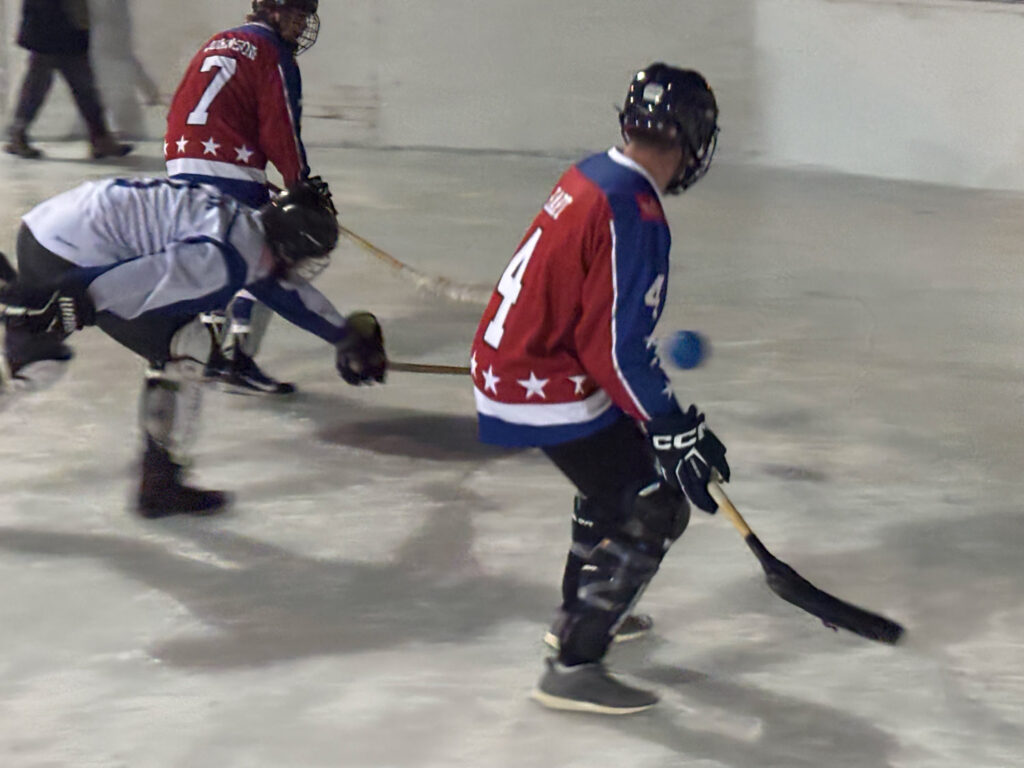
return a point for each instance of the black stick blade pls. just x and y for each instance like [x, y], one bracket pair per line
[795, 589]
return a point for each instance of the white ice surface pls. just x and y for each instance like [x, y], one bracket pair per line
[378, 593]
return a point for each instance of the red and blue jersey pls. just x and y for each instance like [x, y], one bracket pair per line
[238, 107]
[566, 344]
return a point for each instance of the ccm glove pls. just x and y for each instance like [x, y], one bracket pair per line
[361, 358]
[688, 452]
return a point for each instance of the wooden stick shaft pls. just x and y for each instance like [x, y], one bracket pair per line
[726, 506]
[450, 370]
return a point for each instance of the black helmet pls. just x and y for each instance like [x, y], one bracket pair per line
[301, 226]
[262, 8]
[676, 106]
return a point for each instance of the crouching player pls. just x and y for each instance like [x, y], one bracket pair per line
[141, 259]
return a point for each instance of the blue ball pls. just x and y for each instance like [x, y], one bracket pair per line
[687, 349]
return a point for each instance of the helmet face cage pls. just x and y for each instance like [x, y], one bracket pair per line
[306, 38]
[675, 106]
[309, 34]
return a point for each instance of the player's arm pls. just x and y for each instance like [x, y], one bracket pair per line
[623, 297]
[300, 303]
[357, 338]
[279, 116]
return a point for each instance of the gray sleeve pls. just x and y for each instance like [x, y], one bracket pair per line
[183, 272]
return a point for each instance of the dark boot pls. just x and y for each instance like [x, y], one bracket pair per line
[161, 492]
[106, 145]
[18, 145]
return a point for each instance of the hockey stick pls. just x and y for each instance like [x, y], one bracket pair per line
[451, 370]
[441, 286]
[794, 588]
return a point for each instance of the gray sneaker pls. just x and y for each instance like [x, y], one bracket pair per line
[633, 627]
[589, 688]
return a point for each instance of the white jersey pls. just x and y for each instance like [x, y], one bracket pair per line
[162, 245]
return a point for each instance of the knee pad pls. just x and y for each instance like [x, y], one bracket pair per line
[660, 512]
[614, 572]
[170, 405]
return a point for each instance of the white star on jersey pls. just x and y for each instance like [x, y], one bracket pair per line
[210, 147]
[243, 153]
[165, 149]
[578, 381]
[533, 386]
[490, 380]
[472, 366]
[182, 143]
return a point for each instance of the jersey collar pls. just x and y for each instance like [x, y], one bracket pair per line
[616, 156]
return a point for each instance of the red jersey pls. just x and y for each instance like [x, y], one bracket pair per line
[565, 346]
[237, 107]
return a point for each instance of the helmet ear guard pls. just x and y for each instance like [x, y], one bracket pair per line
[675, 107]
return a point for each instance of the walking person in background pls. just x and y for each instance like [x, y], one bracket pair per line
[56, 35]
[563, 359]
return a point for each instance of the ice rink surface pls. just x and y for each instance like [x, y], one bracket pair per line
[378, 593]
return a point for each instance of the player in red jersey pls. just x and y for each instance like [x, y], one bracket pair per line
[564, 359]
[238, 107]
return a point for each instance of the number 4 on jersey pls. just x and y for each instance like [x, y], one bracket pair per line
[509, 286]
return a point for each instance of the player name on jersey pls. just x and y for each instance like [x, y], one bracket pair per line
[244, 47]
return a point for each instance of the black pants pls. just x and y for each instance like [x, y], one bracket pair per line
[77, 71]
[149, 336]
[608, 468]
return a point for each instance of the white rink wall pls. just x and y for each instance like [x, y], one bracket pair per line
[924, 90]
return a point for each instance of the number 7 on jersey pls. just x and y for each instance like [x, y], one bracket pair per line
[509, 286]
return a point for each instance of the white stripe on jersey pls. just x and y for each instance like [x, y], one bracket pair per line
[291, 119]
[195, 166]
[615, 313]
[544, 414]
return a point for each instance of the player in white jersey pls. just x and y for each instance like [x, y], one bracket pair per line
[141, 259]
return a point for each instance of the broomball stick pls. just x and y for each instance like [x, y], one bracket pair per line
[782, 579]
[794, 588]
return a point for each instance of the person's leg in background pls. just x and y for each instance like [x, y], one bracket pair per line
[77, 71]
[34, 87]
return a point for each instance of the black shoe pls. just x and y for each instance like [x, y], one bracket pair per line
[633, 627]
[589, 688]
[181, 500]
[243, 375]
[162, 494]
[18, 145]
[108, 146]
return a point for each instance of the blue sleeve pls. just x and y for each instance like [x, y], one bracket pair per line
[641, 268]
[293, 85]
[302, 304]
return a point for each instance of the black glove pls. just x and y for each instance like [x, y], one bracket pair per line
[318, 185]
[688, 452]
[361, 357]
[45, 310]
